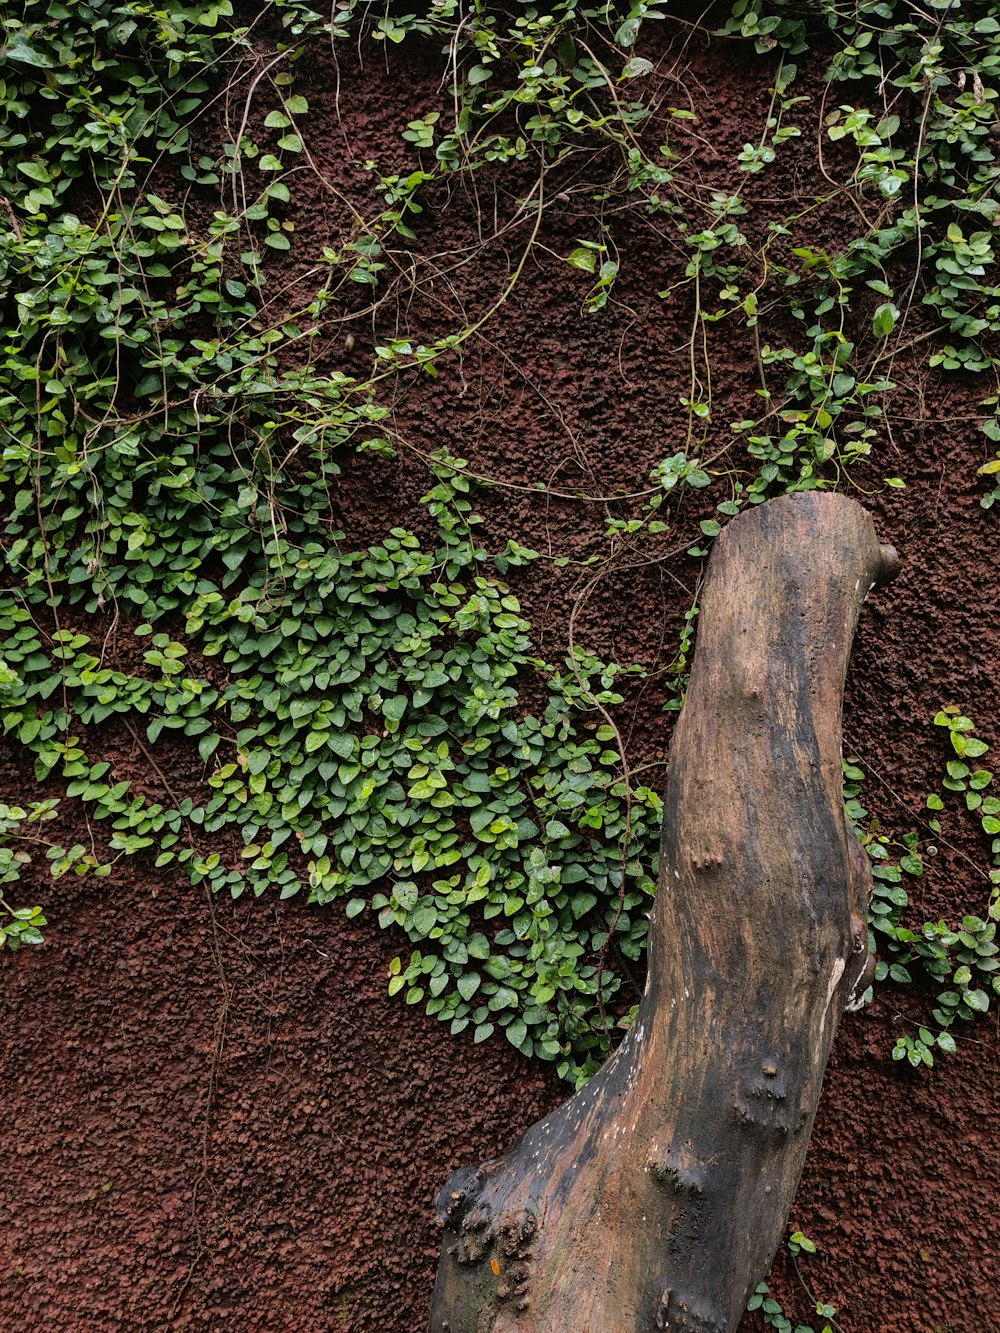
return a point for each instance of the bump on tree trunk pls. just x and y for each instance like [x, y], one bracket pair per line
[656, 1196]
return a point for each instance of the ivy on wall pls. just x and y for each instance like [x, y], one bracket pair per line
[350, 721]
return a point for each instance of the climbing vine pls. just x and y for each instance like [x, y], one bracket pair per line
[962, 957]
[349, 718]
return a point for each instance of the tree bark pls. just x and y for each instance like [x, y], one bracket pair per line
[656, 1196]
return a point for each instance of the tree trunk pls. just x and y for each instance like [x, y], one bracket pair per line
[656, 1196]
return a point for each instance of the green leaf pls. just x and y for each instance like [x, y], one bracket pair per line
[395, 707]
[468, 984]
[423, 920]
[207, 746]
[516, 1032]
[884, 320]
[583, 258]
[344, 745]
[627, 32]
[480, 818]
[21, 50]
[582, 903]
[36, 171]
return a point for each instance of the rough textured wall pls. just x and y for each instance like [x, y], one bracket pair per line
[220, 1119]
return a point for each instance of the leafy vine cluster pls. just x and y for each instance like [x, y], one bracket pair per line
[173, 442]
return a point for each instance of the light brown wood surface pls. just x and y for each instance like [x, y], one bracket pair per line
[656, 1196]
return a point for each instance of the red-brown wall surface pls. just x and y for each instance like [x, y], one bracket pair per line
[214, 1116]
